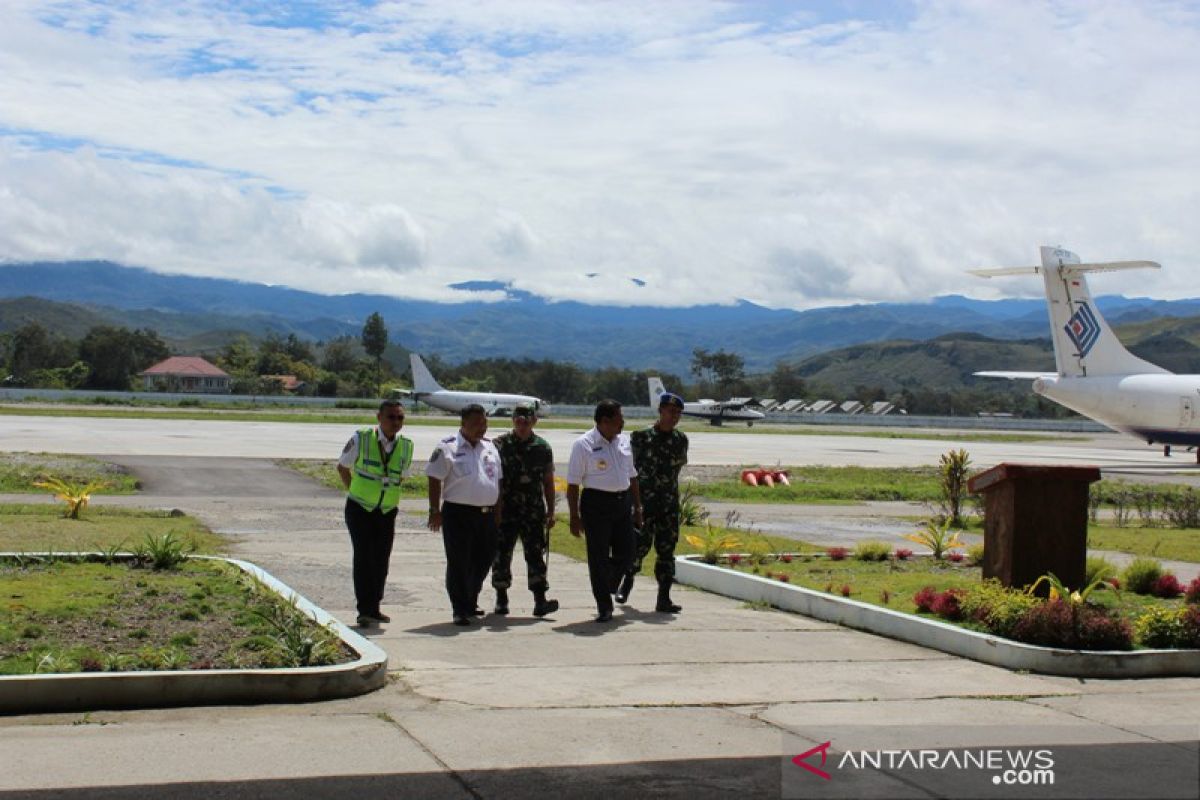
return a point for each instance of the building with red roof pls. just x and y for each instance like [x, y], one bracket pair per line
[185, 374]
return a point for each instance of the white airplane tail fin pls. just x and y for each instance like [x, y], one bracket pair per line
[656, 390]
[422, 379]
[1084, 345]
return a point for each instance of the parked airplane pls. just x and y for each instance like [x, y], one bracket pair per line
[428, 390]
[1096, 375]
[711, 410]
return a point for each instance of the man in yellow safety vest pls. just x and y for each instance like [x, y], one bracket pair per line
[371, 467]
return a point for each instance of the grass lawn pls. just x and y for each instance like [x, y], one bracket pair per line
[1174, 544]
[27, 528]
[18, 471]
[831, 485]
[324, 472]
[563, 543]
[67, 616]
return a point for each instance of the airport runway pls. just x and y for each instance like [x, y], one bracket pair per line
[1113, 453]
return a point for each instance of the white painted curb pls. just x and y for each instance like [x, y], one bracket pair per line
[935, 634]
[86, 691]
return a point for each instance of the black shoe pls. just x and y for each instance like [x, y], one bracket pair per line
[459, 619]
[379, 616]
[366, 621]
[625, 589]
[543, 607]
[502, 602]
[664, 603]
[603, 616]
[479, 612]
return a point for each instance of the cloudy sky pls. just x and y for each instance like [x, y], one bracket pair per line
[792, 153]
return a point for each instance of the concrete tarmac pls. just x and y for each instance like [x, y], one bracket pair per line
[714, 702]
[1114, 453]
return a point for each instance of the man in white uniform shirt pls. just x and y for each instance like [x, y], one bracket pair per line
[601, 465]
[464, 486]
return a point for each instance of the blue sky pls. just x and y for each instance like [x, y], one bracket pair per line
[794, 154]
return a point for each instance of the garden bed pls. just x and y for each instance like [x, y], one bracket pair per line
[940, 635]
[245, 637]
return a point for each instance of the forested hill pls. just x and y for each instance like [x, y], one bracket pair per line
[195, 313]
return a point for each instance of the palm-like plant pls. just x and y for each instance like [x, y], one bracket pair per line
[75, 495]
[936, 536]
[1060, 591]
[714, 543]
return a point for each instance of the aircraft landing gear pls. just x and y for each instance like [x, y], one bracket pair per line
[1167, 450]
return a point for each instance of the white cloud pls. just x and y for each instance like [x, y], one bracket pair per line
[711, 149]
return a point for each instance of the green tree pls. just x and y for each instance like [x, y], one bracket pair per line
[32, 347]
[340, 355]
[374, 341]
[114, 355]
[786, 383]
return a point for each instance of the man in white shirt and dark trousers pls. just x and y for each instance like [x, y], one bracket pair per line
[464, 486]
[608, 506]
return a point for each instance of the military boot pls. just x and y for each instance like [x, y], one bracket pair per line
[664, 597]
[625, 588]
[542, 606]
[501, 602]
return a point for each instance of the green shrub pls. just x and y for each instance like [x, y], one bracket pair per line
[996, 607]
[975, 555]
[1098, 568]
[872, 551]
[1140, 575]
[1160, 628]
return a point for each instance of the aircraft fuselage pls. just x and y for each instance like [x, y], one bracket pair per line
[1159, 408]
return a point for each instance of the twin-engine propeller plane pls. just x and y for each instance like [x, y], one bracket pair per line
[714, 411]
[1097, 376]
[428, 390]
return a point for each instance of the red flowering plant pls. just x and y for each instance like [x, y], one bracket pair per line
[1167, 587]
[948, 605]
[902, 554]
[837, 553]
[1192, 593]
[924, 598]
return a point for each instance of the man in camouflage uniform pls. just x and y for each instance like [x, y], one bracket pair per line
[659, 453]
[526, 509]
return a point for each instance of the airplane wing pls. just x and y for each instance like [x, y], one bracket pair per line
[1032, 376]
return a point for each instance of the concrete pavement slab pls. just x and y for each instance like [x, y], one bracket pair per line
[472, 738]
[210, 745]
[1169, 715]
[644, 646]
[709, 683]
[941, 723]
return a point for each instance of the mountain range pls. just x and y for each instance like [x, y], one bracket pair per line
[197, 314]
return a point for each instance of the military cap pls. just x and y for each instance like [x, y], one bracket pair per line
[670, 399]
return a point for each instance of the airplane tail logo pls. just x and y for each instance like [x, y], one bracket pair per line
[1083, 329]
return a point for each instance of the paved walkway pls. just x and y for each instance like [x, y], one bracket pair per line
[711, 703]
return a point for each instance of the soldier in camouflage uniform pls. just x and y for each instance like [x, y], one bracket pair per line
[659, 453]
[527, 509]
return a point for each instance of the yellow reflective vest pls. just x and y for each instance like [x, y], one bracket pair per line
[375, 480]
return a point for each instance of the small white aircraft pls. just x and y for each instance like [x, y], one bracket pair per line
[428, 390]
[1097, 376]
[711, 410]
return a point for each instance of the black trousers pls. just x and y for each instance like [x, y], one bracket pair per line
[371, 535]
[469, 537]
[608, 525]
